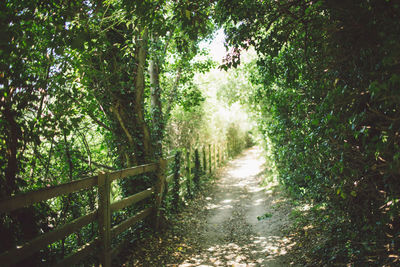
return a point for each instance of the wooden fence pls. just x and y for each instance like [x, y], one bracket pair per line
[103, 213]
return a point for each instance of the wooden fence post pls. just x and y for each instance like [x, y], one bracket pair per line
[204, 160]
[209, 158]
[219, 155]
[197, 169]
[176, 184]
[224, 153]
[188, 173]
[159, 191]
[104, 214]
[215, 157]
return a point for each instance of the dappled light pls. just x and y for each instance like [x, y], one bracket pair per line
[237, 222]
[259, 251]
[220, 206]
[234, 234]
[249, 167]
[200, 133]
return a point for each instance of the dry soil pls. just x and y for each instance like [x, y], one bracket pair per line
[234, 222]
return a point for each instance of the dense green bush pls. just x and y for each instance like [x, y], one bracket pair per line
[87, 86]
[328, 96]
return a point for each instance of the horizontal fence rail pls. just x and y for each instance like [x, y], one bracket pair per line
[123, 203]
[27, 199]
[103, 214]
[21, 252]
[132, 171]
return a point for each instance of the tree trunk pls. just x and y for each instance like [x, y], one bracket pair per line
[173, 93]
[156, 107]
[145, 149]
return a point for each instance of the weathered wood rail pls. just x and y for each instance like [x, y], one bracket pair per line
[103, 214]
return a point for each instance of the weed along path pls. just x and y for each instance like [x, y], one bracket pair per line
[233, 222]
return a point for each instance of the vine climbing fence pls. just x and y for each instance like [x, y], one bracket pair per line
[176, 175]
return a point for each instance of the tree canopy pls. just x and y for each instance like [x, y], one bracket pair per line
[90, 85]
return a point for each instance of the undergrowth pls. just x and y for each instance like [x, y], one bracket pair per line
[326, 237]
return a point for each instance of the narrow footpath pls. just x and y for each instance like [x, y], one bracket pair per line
[234, 222]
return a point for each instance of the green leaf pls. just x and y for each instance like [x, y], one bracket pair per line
[315, 122]
[265, 216]
[187, 13]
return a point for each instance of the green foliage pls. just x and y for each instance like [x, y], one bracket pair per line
[264, 216]
[326, 93]
[191, 98]
[71, 103]
[235, 139]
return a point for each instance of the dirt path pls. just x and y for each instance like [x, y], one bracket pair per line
[221, 228]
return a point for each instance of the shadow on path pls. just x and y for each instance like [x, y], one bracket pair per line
[221, 227]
